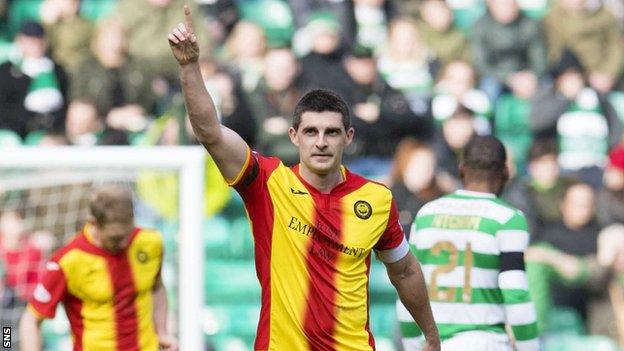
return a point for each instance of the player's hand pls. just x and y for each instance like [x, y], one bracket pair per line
[167, 343]
[432, 345]
[183, 41]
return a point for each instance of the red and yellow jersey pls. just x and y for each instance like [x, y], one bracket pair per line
[108, 298]
[313, 253]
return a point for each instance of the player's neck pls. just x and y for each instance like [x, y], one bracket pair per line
[324, 183]
[481, 187]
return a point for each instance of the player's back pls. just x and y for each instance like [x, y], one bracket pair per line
[457, 240]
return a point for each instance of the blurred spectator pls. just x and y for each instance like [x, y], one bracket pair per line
[540, 194]
[222, 16]
[512, 118]
[584, 123]
[446, 42]
[119, 85]
[342, 10]
[507, 48]
[380, 113]
[273, 102]
[322, 66]
[592, 35]
[456, 86]
[611, 196]
[413, 179]
[147, 24]
[406, 64]
[244, 52]
[372, 18]
[230, 100]
[449, 143]
[33, 89]
[601, 274]
[84, 127]
[576, 234]
[608, 318]
[68, 33]
[22, 260]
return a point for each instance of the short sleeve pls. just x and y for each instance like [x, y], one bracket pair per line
[50, 290]
[392, 246]
[254, 174]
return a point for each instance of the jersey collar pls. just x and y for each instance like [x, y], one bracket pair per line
[464, 192]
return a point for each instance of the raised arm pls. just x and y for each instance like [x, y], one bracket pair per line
[226, 147]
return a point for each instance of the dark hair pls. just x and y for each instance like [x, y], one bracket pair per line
[320, 100]
[485, 154]
[542, 147]
[111, 204]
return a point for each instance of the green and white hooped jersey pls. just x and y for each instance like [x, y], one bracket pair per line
[471, 248]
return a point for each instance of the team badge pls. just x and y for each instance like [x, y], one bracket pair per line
[362, 209]
[141, 256]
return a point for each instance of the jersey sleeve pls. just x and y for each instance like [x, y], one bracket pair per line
[392, 246]
[513, 239]
[252, 177]
[51, 289]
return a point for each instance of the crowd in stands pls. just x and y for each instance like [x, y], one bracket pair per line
[421, 77]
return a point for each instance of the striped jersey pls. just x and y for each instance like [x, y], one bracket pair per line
[313, 254]
[107, 297]
[471, 248]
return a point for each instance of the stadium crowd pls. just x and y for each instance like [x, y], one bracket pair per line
[421, 76]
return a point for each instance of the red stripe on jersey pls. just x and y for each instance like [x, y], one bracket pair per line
[126, 321]
[260, 211]
[371, 339]
[320, 316]
[73, 307]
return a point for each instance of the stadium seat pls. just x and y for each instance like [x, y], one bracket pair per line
[9, 138]
[272, 15]
[94, 10]
[231, 282]
[380, 288]
[559, 342]
[383, 320]
[21, 11]
[512, 127]
[234, 319]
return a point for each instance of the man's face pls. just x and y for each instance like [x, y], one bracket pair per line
[321, 139]
[362, 70]
[577, 208]
[31, 47]
[114, 236]
[504, 11]
[544, 170]
[280, 69]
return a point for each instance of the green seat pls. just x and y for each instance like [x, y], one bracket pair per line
[230, 282]
[562, 342]
[383, 320]
[21, 11]
[232, 319]
[616, 99]
[513, 127]
[565, 320]
[380, 288]
[94, 10]
[216, 235]
[274, 16]
[9, 138]
[7, 51]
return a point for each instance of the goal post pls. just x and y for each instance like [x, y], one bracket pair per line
[188, 162]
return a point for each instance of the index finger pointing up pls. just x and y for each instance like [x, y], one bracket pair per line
[188, 21]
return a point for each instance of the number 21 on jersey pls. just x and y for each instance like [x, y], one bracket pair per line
[449, 294]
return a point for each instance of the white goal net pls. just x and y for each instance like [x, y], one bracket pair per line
[44, 196]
